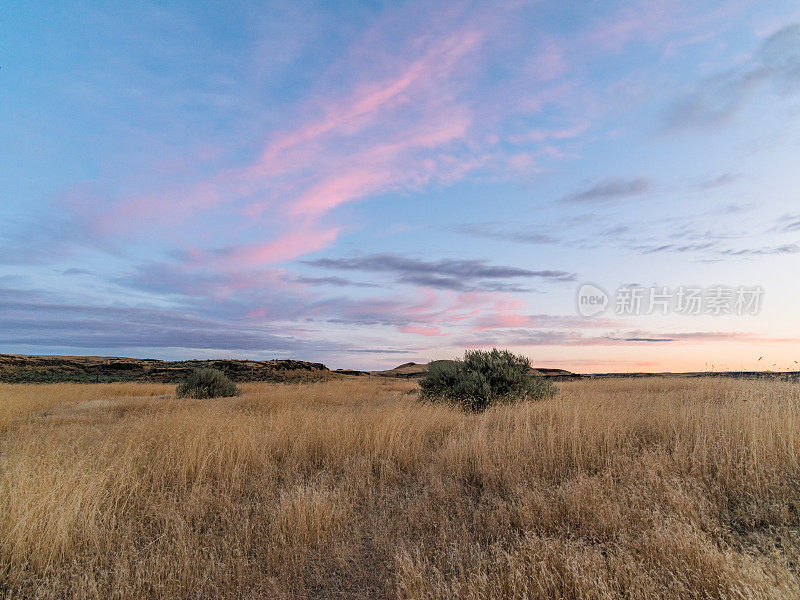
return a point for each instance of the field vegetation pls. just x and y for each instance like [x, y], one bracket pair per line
[483, 378]
[353, 488]
[207, 383]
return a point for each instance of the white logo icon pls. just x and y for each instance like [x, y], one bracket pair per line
[592, 300]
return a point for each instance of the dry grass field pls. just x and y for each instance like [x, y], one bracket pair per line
[654, 488]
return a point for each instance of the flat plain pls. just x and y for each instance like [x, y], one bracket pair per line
[352, 488]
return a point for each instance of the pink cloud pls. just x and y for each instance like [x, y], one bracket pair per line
[339, 189]
[496, 320]
[422, 330]
[402, 121]
[292, 244]
[431, 312]
[649, 20]
[374, 99]
[396, 120]
[388, 132]
[541, 135]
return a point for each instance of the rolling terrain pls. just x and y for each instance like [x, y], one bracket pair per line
[19, 368]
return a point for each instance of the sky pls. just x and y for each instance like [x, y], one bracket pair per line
[366, 184]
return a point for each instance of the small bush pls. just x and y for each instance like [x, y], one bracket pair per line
[483, 378]
[207, 383]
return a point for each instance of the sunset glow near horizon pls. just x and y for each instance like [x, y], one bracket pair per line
[368, 184]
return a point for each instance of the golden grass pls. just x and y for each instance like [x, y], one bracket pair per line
[19, 399]
[656, 488]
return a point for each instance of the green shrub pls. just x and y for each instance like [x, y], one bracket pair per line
[207, 383]
[483, 378]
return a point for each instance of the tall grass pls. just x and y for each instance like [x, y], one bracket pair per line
[19, 399]
[656, 488]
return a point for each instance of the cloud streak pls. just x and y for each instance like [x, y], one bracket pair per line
[499, 232]
[787, 224]
[397, 130]
[461, 275]
[521, 338]
[40, 319]
[719, 98]
[610, 191]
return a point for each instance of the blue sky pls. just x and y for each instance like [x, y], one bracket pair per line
[372, 183]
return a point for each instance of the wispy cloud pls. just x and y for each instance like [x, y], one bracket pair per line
[718, 181]
[718, 98]
[75, 271]
[461, 275]
[676, 248]
[786, 224]
[397, 129]
[399, 118]
[610, 191]
[521, 338]
[510, 319]
[762, 251]
[331, 281]
[304, 239]
[40, 319]
[713, 250]
[504, 233]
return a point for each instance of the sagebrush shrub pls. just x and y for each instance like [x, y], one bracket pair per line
[483, 378]
[207, 383]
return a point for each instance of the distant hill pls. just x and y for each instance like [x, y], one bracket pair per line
[416, 370]
[19, 368]
[15, 368]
